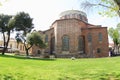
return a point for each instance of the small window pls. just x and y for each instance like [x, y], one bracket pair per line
[46, 38]
[65, 17]
[80, 17]
[73, 15]
[100, 36]
[98, 50]
[89, 37]
[38, 52]
[68, 16]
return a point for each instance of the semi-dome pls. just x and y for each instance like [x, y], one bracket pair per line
[74, 14]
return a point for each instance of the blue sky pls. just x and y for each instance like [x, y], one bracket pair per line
[45, 12]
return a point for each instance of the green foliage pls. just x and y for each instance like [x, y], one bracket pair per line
[23, 22]
[35, 38]
[118, 26]
[4, 23]
[111, 8]
[22, 68]
[11, 23]
[114, 34]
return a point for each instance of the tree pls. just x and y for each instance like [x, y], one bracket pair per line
[109, 7]
[33, 38]
[36, 39]
[114, 34]
[23, 23]
[6, 26]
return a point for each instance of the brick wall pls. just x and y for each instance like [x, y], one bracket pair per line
[103, 45]
[72, 29]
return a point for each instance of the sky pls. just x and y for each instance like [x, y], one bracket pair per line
[45, 12]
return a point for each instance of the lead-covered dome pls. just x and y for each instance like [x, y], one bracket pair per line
[74, 14]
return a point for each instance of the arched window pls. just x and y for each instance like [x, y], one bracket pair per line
[46, 38]
[38, 52]
[65, 43]
[23, 48]
[89, 37]
[80, 16]
[20, 47]
[81, 44]
[10, 45]
[73, 15]
[98, 50]
[100, 36]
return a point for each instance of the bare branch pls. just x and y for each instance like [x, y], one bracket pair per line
[87, 5]
[105, 6]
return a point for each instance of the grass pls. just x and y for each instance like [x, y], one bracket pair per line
[21, 68]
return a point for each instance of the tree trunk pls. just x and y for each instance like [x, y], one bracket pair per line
[5, 42]
[3, 51]
[27, 53]
[116, 49]
[27, 49]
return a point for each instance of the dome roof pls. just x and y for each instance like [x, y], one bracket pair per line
[74, 14]
[68, 12]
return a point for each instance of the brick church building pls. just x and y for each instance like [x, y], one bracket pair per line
[72, 35]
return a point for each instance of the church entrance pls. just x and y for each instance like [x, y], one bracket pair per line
[81, 44]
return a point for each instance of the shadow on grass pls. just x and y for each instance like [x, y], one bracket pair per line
[24, 57]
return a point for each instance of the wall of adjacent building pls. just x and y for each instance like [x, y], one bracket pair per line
[95, 44]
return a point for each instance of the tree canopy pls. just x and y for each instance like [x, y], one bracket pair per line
[107, 7]
[35, 38]
[23, 22]
[6, 26]
[114, 34]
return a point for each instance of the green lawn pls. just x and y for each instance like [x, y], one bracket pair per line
[20, 68]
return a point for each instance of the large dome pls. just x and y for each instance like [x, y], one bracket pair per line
[74, 14]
